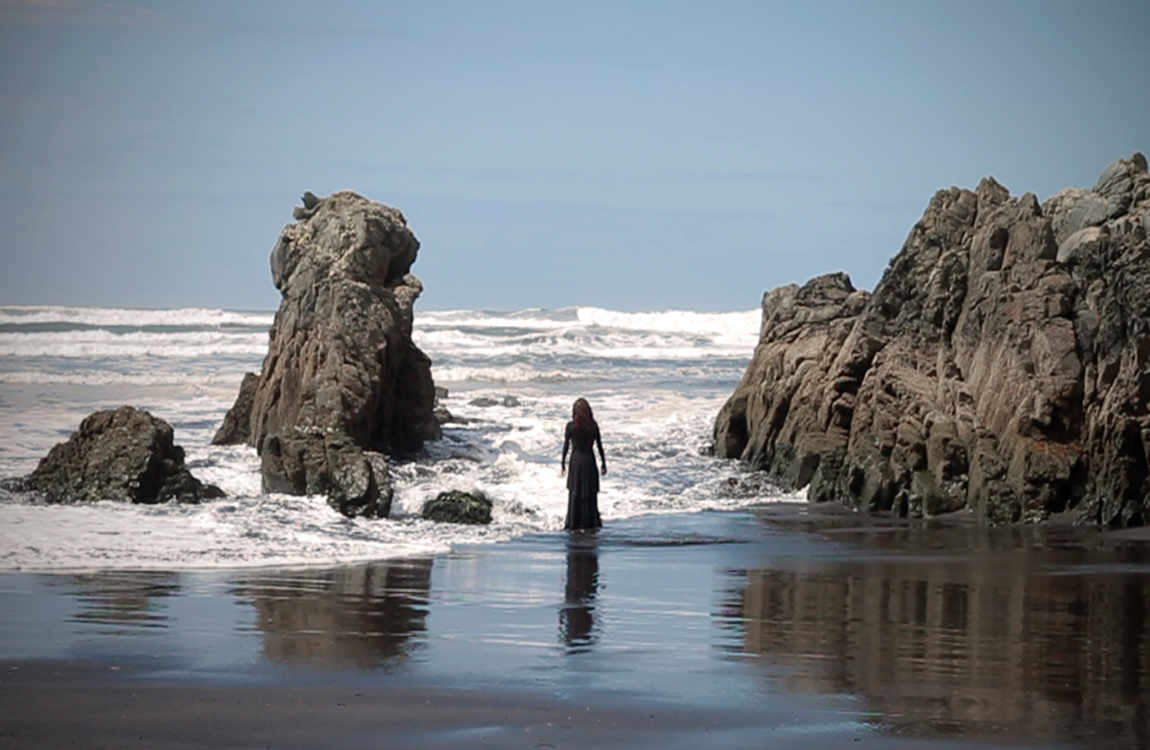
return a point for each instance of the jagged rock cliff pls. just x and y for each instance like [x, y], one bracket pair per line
[1002, 364]
[342, 383]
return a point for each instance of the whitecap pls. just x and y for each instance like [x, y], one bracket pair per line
[106, 316]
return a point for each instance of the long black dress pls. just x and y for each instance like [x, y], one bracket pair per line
[582, 479]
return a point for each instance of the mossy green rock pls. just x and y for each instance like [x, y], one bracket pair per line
[458, 507]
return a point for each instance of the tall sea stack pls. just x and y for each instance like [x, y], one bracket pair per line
[1002, 364]
[342, 383]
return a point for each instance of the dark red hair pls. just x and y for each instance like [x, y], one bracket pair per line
[584, 421]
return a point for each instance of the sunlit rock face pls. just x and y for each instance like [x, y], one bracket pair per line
[1001, 366]
[342, 384]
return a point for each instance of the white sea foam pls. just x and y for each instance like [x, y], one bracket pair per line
[655, 380]
[592, 332]
[585, 342]
[93, 343]
[518, 373]
[269, 530]
[92, 377]
[652, 439]
[472, 319]
[738, 325]
[104, 316]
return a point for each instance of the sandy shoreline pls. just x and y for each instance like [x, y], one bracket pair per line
[782, 626]
[69, 704]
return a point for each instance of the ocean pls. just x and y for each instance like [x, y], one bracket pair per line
[655, 380]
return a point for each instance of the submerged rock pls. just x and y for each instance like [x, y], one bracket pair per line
[443, 416]
[342, 383]
[487, 401]
[1001, 366]
[456, 506]
[118, 454]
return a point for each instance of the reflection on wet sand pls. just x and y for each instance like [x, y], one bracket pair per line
[119, 600]
[1027, 643]
[363, 617]
[576, 618]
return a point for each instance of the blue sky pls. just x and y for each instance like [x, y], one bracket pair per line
[639, 156]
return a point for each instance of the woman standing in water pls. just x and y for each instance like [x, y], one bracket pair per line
[583, 479]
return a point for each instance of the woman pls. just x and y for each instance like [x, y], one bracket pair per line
[583, 479]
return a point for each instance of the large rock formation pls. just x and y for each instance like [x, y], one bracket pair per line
[1002, 365]
[342, 382]
[117, 454]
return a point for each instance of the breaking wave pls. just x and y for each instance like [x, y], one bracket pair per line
[655, 379]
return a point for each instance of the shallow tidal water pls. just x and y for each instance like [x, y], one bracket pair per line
[821, 622]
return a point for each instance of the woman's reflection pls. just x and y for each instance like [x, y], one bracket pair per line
[576, 617]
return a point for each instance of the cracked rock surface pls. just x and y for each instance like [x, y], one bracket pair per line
[117, 454]
[1001, 366]
[342, 384]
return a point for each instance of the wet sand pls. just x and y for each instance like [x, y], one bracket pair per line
[785, 626]
[83, 705]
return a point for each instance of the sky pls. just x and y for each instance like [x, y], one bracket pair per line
[629, 155]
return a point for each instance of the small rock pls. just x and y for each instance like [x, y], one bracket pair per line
[456, 506]
[443, 416]
[486, 401]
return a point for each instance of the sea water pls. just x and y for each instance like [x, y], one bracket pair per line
[655, 380]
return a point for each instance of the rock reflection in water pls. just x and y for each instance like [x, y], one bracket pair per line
[366, 617]
[577, 626]
[132, 600]
[997, 646]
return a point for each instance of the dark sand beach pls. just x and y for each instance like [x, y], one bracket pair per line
[781, 626]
